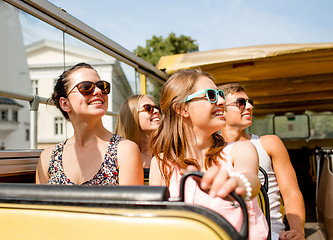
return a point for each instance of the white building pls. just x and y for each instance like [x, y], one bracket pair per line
[34, 69]
[15, 116]
[45, 61]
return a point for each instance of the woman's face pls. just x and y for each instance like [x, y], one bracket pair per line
[94, 104]
[148, 121]
[206, 116]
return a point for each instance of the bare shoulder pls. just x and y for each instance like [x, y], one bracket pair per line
[46, 154]
[270, 139]
[241, 145]
[128, 151]
[243, 151]
[271, 143]
[127, 145]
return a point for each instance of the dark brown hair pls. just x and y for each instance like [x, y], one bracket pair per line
[60, 88]
[231, 88]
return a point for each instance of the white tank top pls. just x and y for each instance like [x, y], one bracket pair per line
[273, 189]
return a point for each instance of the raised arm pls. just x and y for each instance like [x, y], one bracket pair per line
[246, 162]
[245, 159]
[288, 185]
[130, 163]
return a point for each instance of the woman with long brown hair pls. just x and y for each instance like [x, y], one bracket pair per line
[187, 138]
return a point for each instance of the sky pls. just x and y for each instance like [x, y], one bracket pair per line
[214, 24]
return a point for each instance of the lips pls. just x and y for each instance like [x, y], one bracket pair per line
[155, 119]
[218, 112]
[247, 115]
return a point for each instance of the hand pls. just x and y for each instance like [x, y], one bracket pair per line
[291, 234]
[217, 183]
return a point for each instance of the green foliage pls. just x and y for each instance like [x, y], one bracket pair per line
[158, 46]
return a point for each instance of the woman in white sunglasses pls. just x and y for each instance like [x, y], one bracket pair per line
[93, 155]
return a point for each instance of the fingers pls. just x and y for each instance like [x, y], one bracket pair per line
[218, 182]
[291, 235]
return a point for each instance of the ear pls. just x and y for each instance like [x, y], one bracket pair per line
[64, 104]
[183, 111]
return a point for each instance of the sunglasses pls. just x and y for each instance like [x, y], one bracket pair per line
[241, 102]
[149, 108]
[87, 87]
[211, 95]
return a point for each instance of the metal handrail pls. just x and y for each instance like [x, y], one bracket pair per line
[34, 101]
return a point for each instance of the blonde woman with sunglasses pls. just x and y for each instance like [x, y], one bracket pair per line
[93, 155]
[138, 117]
[187, 139]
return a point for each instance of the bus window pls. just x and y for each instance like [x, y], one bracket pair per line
[292, 126]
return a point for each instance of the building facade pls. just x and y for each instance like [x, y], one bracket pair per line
[15, 116]
[46, 62]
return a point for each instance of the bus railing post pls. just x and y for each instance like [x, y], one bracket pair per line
[34, 104]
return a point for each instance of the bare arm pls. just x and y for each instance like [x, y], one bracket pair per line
[155, 177]
[245, 159]
[130, 163]
[287, 181]
[246, 162]
[42, 175]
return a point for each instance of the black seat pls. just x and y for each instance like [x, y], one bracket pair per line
[263, 200]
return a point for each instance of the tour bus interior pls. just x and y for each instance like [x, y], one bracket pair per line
[291, 85]
[292, 89]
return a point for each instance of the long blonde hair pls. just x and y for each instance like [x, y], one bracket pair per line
[127, 124]
[171, 143]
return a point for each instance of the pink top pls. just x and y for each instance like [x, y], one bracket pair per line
[258, 228]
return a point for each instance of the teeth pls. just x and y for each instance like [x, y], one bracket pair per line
[219, 113]
[96, 102]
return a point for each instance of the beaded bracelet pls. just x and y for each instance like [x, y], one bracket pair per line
[246, 183]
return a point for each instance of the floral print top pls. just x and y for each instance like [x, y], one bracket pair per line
[107, 174]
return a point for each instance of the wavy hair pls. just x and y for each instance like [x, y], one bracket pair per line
[171, 143]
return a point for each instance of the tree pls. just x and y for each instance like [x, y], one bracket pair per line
[158, 46]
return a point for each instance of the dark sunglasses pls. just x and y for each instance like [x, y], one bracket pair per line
[87, 87]
[241, 102]
[211, 95]
[149, 108]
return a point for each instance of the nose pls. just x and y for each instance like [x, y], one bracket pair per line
[248, 106]
[156, 111]
[97, 91]
[220, 100]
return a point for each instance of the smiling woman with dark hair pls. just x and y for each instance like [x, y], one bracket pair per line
[93, 155]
